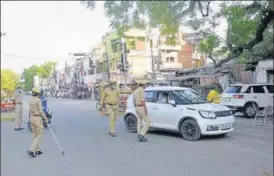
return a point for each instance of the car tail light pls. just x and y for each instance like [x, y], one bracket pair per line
[238, 96]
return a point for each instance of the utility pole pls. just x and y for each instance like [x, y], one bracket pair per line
[159, 54]
[152, 59]
[124, 60]
[108, 70]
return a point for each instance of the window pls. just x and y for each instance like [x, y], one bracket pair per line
[233, 89]
[170, 59]
[164, 97]
[115, 45]
[258, 89]
[270, 88]
[150, 96]
[248, 90]
[188, 96]
[130, 41]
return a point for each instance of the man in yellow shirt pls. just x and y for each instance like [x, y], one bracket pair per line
[214, 96]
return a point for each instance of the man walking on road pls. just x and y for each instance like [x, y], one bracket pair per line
[19, 113]
[36, 115]
[111, 97]
[139, 103]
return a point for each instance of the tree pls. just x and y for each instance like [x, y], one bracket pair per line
[169, 15]
[43, 71]
[28, 75]
[9, 80]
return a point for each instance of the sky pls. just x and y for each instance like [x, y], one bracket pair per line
[41, 30]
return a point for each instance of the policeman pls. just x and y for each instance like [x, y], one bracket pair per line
[102, 89]
[19, 113]
[36, 115]
[111, 96]
[141, 110]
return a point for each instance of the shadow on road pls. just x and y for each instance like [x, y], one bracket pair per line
[178, 135]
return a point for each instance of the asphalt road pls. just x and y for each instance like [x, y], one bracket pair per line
[83, 133]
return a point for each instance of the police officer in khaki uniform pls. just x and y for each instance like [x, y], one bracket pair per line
[19, 113]
[36, 114]
[111, 97]
[141, 110]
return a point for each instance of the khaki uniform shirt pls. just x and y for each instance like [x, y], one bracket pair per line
[35, 107]
[18, 100]
[110, 96]
[138, 96]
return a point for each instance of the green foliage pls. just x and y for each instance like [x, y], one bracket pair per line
[9, 80]
[243, 21]
[43, 71]
[208, 44]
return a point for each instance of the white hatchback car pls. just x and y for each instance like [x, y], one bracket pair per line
[185, 111]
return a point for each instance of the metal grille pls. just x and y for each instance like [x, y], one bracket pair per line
[223, 113]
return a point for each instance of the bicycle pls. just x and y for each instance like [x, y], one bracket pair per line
[98, 105]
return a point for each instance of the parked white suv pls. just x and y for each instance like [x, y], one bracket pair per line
[246, 98]
[185, 111]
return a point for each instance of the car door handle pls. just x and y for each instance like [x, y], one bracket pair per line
[255, 97]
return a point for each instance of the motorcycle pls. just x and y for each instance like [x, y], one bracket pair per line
[48, 114]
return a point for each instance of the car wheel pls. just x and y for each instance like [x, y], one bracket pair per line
[29, 126]
[250, 110]
[131, 124]
[190, 130]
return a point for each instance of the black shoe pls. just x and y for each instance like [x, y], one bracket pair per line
[38, 152]
[21, 128]
[16, 129]
[31, 154]
[112, 134]
[142, 138]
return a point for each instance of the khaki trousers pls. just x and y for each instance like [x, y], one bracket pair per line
[19, 115]
[37, 127]
[142, 116]
[112, 112]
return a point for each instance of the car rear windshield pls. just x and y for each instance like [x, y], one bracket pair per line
[233, 89]
[270, 88]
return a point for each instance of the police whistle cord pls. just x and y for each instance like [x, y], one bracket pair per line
[56, 140]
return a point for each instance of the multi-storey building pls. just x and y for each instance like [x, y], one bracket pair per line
[138, 57]
[145, 46]
[190, 57]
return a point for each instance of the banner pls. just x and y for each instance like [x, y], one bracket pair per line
[209, 80]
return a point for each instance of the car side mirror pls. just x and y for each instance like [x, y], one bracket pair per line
[172, 102]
